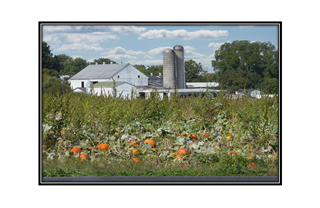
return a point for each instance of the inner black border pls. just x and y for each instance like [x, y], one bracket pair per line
[166, 180]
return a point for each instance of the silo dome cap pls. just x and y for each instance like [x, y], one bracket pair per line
[178, 47]
[168, 50]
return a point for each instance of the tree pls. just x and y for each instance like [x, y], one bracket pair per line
[258, 60]
[101, 60]
[47, 56]
[270, 85]
[142, 69]
[236, 79]
[50, 72]
[54, 85]
[193, 71]
[155, 69]
[74, 65]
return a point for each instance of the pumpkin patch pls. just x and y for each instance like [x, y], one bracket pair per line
[225, 136]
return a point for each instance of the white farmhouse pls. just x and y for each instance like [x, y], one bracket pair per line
[93, 74]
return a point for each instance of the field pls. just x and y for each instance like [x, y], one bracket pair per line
[86, 135]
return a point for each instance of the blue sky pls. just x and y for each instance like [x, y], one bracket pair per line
[145, 44]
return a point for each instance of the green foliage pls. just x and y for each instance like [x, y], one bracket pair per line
[53, 85]
[74, 65]
[243, 64]
[142, 69]
[193, 71]
[101, 60]
[271, 85]
[155, 69]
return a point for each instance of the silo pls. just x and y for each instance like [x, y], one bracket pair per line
[168, 68]
[179, 57]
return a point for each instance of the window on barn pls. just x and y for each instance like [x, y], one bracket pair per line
[94, 82]
[82, 84]
[138, 76]
[118, 76]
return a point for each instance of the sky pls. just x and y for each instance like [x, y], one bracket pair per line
[142, 44]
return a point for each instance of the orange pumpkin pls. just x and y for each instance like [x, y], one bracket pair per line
[83, 156]
[75, 150]
[182, 151]
[178, 156]
[90, 147]
[134, 143]
[104, 146]
[98, 145]
[62, 132]
[153, 144]
[135, 160]
[230, 152]
[205, 134]
[135, 151]
[275, 156]
[192, 143]
[182, 134]
[252, 165]
[250, 157]
[228, 137]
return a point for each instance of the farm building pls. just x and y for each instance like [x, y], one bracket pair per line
[130, 79]
[202, 85]
[93, 74]
[106, 88]
[251, 92]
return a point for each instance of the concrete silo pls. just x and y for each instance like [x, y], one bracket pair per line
[179, 58]
[168, 68]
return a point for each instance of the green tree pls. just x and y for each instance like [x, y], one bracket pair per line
[236, 79]
[74, 65]
[155, 69]
[270, 86]
[54, 85]
[258, 60]
[48, 60]
[193, 71]
[101, 60]
[50, 72]
[142, 69]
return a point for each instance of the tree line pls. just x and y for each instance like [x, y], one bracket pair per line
[237, 65]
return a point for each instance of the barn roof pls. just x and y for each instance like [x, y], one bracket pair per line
[100, 71]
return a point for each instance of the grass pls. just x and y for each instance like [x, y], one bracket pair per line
[247, 126]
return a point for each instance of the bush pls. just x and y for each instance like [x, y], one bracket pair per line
[54, 85]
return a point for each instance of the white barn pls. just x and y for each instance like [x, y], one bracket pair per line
[105, 72]
[106, 89]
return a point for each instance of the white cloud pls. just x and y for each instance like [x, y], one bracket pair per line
[80, 47]
[122, 30]
[183, 34]
[121, 53]
[147, 62]
[68, 38]
[147, 56]
[158, 51]
[120, 50]
[80, 37]
[216, 46]
[120, 56]
[190, 54]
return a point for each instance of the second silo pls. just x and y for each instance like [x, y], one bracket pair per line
[179, 58]
[168, 68]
